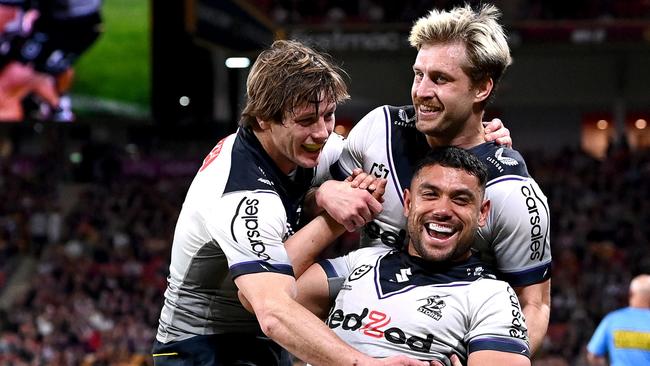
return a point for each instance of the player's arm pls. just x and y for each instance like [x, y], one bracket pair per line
[281, 318]
[313, 291]
[349, 202]
[305, 245]
[522, 247]
[497, 330]
[338, 199]
[535, 302]
[496, 358]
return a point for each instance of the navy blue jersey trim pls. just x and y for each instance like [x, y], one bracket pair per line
[337, 172]
[499, 344]
[243, 268]
[389, 155]
[503, 180]
[328, 268]
[527, 277]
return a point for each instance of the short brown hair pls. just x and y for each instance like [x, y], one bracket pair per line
[289, 75]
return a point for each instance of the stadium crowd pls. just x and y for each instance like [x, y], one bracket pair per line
[101, 248]
[289, 12]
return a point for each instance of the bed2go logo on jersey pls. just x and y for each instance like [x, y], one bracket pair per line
[212, 155]
[375, 324]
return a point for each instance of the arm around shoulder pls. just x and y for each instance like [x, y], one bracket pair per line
[535, 302]
[497, 358]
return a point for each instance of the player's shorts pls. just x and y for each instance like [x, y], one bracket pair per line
[221, 350]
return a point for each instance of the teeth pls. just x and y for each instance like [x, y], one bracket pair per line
[424, 108]
[439, 228]
[312, 147]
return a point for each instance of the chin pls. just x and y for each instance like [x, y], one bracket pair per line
[308, 163]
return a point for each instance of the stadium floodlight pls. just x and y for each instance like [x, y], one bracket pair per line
[237, 62]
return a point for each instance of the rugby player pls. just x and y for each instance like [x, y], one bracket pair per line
[433, 298]
[462, 54]
[242, 205]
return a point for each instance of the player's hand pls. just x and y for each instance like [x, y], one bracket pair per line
[496, 131]
[349, 206]
[18, 80]
[360, 179]
[455, 361]
[376, 186]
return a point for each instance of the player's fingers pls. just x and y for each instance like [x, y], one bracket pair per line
[349, 225]
[367, 181]
[504, 141]
[366, 213]
[493, 125]
[374, 205]
[355, 223]
[378, 188]
[455, 361]
[356, 171]
[45, 87]
[358, 178]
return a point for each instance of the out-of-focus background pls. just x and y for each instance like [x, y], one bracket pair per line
[88, 208]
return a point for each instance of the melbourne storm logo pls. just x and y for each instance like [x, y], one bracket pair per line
[433, 307]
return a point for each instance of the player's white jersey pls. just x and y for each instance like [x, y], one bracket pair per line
[236, 215]
[391, 303]
[515, 240]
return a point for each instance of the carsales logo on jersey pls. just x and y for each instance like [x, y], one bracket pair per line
[376, 324]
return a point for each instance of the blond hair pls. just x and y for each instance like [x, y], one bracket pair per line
[286, 76]
[487, 51]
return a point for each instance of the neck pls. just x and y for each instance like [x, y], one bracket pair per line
[265, 139]
[470, 134]
[410, 249]
[640, 303]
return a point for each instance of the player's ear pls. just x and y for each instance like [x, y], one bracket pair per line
[407, 202]
[264, 125]
[483, 214]
[483, 90]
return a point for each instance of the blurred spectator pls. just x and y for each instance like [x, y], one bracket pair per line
[623, 336]
[288, 12]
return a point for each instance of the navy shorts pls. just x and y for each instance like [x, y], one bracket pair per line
[221, 350]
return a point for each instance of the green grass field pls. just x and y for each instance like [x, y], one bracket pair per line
[117, 66]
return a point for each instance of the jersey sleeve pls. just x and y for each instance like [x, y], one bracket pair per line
[347, 266]
[598, 342]
[496, 321]
[519, 230]
[251, 235]
[356, 145]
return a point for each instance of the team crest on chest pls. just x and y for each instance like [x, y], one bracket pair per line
[433, 307]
